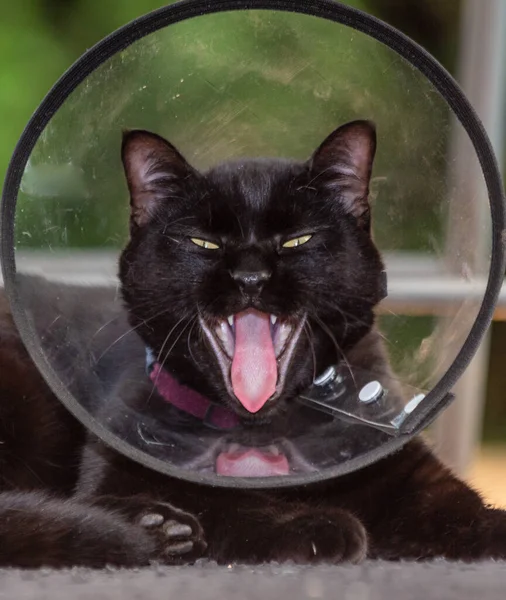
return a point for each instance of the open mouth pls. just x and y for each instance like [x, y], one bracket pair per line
[228, 458]
[254, 350]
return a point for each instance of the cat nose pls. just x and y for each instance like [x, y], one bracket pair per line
[251, 282]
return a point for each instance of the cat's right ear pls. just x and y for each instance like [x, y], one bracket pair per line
[154, 172]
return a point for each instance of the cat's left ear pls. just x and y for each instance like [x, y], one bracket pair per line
[343, 165]
[155, 173]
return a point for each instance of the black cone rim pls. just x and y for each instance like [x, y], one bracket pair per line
[438, 398]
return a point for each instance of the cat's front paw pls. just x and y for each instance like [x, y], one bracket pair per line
[179, 535]
[322, 538]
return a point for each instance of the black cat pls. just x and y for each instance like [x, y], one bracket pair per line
[242, 283]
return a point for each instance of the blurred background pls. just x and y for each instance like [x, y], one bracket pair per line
[40, 39]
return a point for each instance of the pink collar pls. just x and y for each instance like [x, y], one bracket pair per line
[188, 400]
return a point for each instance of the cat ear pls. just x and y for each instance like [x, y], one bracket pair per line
[154, 171]
[343, 165]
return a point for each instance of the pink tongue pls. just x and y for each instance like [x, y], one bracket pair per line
[251, 463]
[254, 368]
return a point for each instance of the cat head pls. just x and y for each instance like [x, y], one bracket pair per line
[250, 279]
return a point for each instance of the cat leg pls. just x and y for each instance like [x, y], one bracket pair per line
[239, 525]
[431, 513]
[144, 498]
[178, 534]
[39, 531]
[301, 534]
[254, 535]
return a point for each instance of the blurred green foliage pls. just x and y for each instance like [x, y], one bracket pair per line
[222, 86]
[39, 39]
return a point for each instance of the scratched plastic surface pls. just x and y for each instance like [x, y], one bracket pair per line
[261, 83]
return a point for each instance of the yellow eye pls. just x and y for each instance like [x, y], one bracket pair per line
[298, 241]
[205, 244]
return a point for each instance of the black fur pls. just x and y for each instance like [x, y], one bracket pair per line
[68, 500]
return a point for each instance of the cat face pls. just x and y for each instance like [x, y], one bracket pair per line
[250, 279]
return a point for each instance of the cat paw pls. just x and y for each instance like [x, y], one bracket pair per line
[179, 535]
[322, 538]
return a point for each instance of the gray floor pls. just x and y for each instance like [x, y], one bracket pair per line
[370, 581]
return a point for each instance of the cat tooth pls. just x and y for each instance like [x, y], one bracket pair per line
[220, 333]
[273, 319]
[281, 337]
[226, 337]
[231, 320]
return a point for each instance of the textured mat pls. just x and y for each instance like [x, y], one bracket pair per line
[370, 581]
